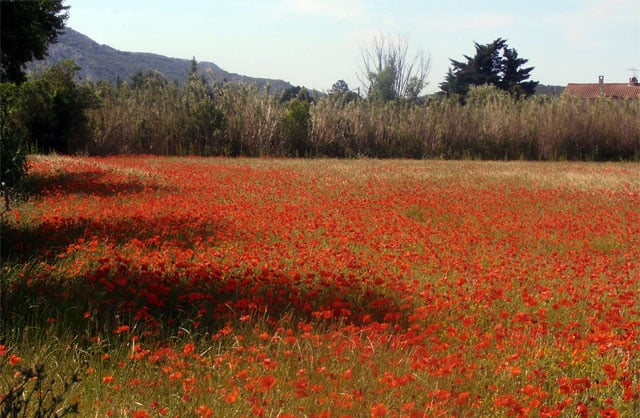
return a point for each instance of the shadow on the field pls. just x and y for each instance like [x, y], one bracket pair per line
[53, 237]
[165, 302]
[88, 182]
[159, 298]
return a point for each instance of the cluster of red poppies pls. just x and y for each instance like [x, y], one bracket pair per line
[349, 286]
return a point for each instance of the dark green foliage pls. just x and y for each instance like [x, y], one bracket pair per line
[193, 75]
[514, 76]
[13, 152]
[494, 64]
[152, 79]
[339, 87]
[53, 108]
[295, 128]
[204, 121]
[382, 82]
[297, 92]
[27, 28]
[341, 92]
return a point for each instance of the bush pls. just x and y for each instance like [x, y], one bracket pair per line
[53, 108]
[295, 127]
[13, 152]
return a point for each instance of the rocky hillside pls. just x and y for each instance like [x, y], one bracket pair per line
[102, 62]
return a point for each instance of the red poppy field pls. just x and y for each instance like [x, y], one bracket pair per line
[198, 287]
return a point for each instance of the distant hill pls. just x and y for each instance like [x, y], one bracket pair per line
[102, 62]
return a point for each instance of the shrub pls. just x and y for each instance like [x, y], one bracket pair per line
[53, 109]
[295, 127]
[13, 152]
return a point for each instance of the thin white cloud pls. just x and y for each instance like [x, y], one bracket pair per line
[458, 23]
[340, 9]
[612, 11]
[578, 26]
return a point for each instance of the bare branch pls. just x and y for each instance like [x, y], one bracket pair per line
[389, 72]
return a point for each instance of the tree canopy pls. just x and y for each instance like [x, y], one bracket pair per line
[26, 30]
[494, 64]
[389, 73]
[340, 91]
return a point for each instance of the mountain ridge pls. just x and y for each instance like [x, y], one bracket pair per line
[103, 62]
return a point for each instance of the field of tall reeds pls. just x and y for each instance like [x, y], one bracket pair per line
[236, 120]
[151, 115]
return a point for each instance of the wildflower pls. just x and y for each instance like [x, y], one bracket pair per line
[610, 371]
[121, 329]
[188, 349]
[267, 382]
[610, 413]
[108, 379]
[231, 397]
[13, 359]
[378, 410]
[203, 411]
[189, 384]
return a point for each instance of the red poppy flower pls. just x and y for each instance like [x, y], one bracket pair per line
[267, 382]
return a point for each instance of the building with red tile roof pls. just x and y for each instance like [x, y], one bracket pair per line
[630, 90]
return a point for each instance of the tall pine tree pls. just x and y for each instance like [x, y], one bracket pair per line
[495, 64]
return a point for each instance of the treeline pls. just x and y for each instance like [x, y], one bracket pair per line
[151, 115]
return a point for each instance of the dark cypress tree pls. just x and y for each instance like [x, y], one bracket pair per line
[513, 76]
[494, 63]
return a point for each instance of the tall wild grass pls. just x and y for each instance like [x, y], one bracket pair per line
[232, 119]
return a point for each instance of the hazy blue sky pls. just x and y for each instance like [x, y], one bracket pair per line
[317, 42]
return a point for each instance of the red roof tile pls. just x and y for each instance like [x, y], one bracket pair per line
[610, 90]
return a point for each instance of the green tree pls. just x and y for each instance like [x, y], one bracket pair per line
[514, 77]
[295, 127]
[297, 92]
[53, 107]
[389, 73]
[151, 78]
[13, 152]
[204, 120]
[193, 74]
[341, 91]
[26, 30]
[494, 64]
